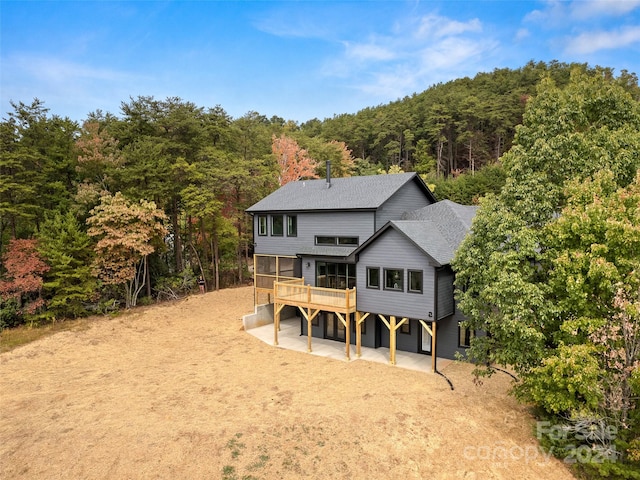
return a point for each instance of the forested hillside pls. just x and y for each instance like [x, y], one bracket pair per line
[139, 204]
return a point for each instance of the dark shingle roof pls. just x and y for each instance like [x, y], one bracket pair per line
[350, 193]
[453, 220]
[436, 229]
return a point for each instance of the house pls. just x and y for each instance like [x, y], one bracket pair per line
[363, 260]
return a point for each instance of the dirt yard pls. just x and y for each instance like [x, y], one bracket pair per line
[180, 391]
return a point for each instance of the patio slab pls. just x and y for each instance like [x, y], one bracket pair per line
[289, 338]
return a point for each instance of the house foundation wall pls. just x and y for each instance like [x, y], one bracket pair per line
[263, 315]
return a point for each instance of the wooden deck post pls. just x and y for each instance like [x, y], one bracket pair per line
[392, 340]
[309, 327]
[434, 354]
[276, 321]
[358, 334]
[431, 331]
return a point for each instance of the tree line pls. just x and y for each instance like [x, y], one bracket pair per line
[143, 203]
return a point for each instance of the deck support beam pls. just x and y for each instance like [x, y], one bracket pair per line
[277, 309]
[360, 318]
[347, 325]
[393, 325]
[309, 315]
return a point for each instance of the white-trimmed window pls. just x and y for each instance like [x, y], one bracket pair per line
[262, 225]
[292, 226]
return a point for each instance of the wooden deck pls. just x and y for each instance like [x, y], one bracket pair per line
[294, 292]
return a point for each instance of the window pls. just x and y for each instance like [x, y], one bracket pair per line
[465, 335]
[335, 275]
[316, 321]
[325, 240]
[348, 241]
[373, 277]
[292, 226]
[415, 281]
[393, 279]
[277, 225]
[406, 327]
[262, 225]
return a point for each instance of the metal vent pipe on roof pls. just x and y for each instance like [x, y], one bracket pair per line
[328, 173]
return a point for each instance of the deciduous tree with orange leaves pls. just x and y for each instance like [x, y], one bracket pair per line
[294, 162]
[23, 278]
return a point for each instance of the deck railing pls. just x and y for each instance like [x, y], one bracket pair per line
[294, 292]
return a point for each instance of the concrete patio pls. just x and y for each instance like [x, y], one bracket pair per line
[289, 338]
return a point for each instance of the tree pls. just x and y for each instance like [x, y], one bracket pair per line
[98, 158]
[541, 270]
[69, 283]
[294, 162]
[23, 277]
[571, 133]
[126, 233]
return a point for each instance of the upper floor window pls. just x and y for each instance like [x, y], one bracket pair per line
[326, 240]
[347, 240]
[415, 281]
[393, 279]
[262, 225]
[373, 277]
[277, 225]
[292, 226]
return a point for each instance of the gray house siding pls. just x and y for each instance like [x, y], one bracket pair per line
[410, 197]
[448, 336]
[310, 224]
[445, 303]
[393, 251]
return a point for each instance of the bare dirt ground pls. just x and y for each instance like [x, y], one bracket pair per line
[180, 391]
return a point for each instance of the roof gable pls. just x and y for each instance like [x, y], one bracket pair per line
[349, 193]
[436, 230]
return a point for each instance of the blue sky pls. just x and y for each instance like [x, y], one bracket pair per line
[295, 59]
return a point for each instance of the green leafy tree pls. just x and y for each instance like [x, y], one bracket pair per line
[69, 284]
[569, 133]
[37, 167]
[548, 254]
[127, 234]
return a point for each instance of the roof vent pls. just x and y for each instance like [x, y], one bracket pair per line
[328, 173]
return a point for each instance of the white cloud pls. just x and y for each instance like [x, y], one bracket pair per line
[522, 34]
[419, 52]
[70, 89]
[452, 52]
[55, 70]
[368, 52]
[436, 26]
[558, 13]
[590, 42]
[583, 10]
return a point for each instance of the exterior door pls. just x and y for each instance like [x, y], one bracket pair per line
[426, 338]
[334, 328]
